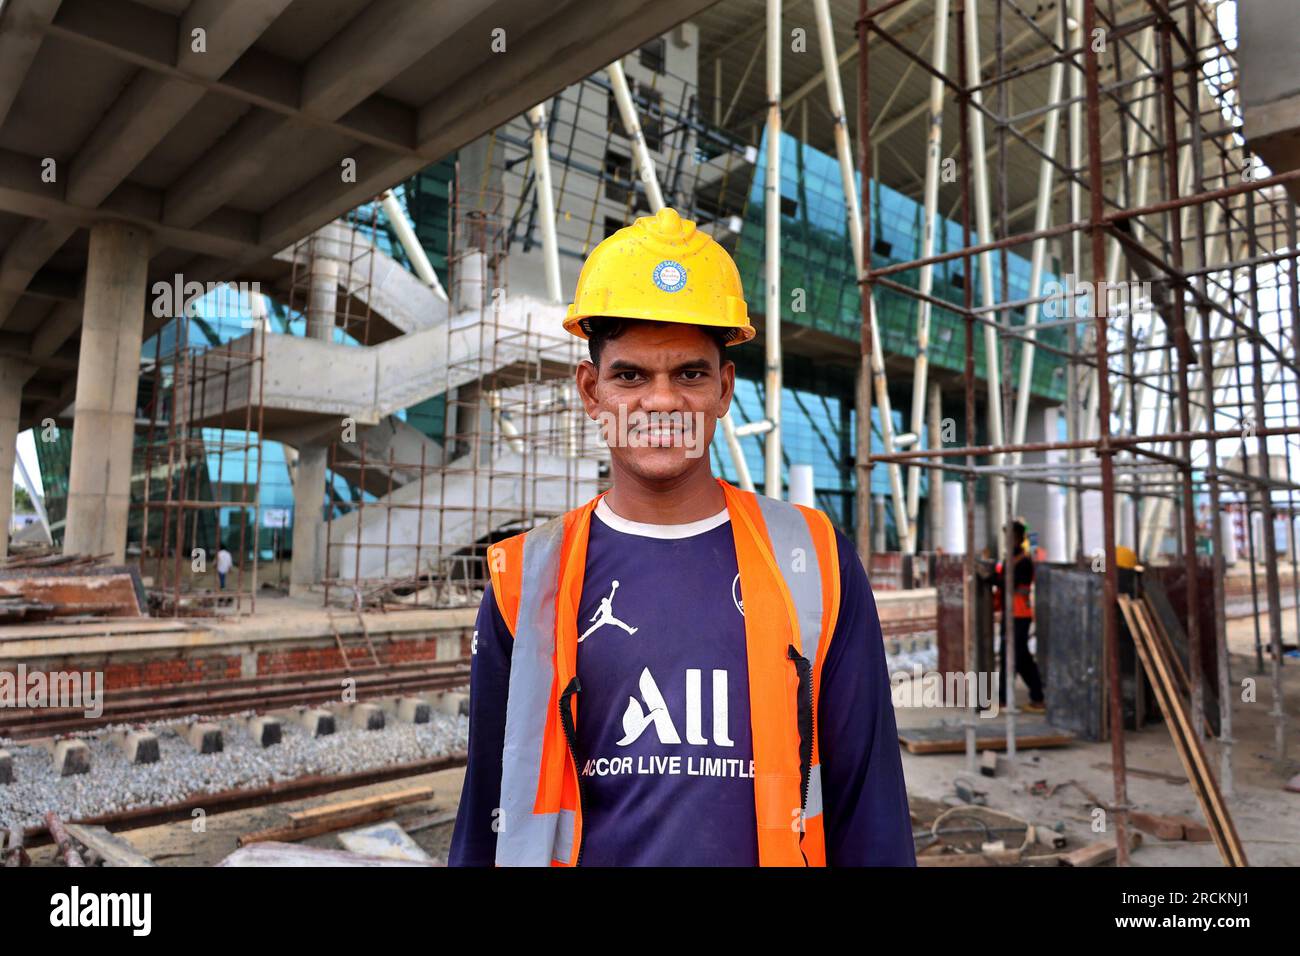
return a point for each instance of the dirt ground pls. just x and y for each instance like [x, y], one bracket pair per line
[1267, 817]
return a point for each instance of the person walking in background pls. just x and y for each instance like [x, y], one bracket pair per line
[224, 563]
[1022, 614]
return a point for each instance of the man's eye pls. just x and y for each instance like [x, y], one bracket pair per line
[626, 376]
[693, 375]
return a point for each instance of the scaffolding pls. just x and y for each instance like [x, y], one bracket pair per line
[201, 460]
[1159, 391]
[509, 445]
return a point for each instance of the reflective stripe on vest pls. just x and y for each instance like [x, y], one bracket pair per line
[537, 580]
[796, 556]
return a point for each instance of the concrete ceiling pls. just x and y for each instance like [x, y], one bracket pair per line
[230, 153]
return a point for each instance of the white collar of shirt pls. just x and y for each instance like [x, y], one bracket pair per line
[607, 516]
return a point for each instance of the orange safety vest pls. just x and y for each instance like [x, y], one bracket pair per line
[789, 577]
[1021, 598]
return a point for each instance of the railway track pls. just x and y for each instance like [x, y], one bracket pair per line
[213, 698]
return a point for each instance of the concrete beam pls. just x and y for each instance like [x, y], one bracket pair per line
[139, 118]
[378, 44]
[20, 38]
[148, 38]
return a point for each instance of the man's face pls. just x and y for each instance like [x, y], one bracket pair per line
[658, 395]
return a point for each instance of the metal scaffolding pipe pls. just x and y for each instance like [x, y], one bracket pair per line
[772, 245]
[848, 181]
[921, 368]
[1042, 217]
[984, 229]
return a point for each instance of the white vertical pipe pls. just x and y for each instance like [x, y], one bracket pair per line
[1042, 219]
[933, 155]
[546, 202]
[37, 501]
[627, 110]
[411, 243]
[1074, 406]
[984, 225]
[802, 488]
[772, 241]
[848, 181]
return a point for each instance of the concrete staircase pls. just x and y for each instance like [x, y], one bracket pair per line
[473, 504]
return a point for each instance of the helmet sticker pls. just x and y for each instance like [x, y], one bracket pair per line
[670, 276]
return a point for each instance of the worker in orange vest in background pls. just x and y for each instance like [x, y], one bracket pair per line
[1022, 613]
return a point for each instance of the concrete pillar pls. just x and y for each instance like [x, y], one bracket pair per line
[879, 540]
[13, 375]
[108, 374]
[323, 298]
[308, 563]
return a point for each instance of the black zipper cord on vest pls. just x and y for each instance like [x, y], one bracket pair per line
[571, 735]
[804, 697]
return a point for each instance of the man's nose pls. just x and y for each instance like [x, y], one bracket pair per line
[661, 395]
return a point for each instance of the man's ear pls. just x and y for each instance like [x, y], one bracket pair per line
[727, 376]
[586, 378]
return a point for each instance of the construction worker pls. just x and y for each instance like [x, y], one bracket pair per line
[1022, 615]
[729, 702]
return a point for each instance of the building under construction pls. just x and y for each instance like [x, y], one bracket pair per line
[281, 356]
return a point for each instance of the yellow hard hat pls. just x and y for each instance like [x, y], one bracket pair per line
[664, 269]
[1125, 557]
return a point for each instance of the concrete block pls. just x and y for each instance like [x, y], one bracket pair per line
[71, 756]
[205, 738]
[6, 767]
[408, 710]
[365, 716]
[454, 702]
[265, 730]
[139, 746]
[319, 723]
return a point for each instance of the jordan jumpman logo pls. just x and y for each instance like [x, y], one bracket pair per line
[605, 615]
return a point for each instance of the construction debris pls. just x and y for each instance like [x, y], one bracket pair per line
[68, 588]
[1095, 854]
[291, 854]
[111, 849]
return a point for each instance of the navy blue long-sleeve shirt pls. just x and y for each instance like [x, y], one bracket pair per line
[663, 729]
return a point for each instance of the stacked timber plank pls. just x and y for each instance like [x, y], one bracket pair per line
[1155, 651]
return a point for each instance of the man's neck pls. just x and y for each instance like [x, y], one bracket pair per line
[689, 497]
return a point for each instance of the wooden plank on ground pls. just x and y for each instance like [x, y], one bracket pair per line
[112, 849]
[990, 734]
[1095, 854]
[347, 808]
